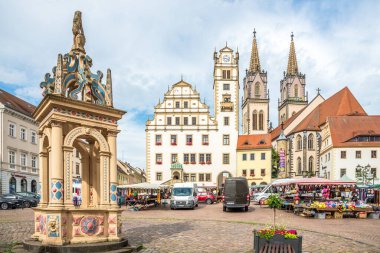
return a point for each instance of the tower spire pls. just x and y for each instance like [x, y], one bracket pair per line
[292, 60]
[254, 65]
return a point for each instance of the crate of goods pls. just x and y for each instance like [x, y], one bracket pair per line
[320, 215]
[362, 215]
[338, 215]
[373, 215]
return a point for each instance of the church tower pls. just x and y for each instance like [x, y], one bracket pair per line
[293, 96]
[255, 102]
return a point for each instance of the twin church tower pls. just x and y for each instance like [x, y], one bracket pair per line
[255, 103]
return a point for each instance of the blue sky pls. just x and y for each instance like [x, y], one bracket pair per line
[150, 44]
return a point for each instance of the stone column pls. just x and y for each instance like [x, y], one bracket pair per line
[68, 175]
[104, 179]
[56, 177]
[43, 182]
[94, 176]
[111, 139]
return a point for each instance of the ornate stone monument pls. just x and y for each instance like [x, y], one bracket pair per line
[77, 112]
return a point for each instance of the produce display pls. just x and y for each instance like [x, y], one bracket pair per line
[341, 206]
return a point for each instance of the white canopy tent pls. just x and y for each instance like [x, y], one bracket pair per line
[147, 186]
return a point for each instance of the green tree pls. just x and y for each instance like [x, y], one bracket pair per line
[274, 201]
[275, 163]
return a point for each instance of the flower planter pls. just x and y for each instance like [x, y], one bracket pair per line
[258, 242]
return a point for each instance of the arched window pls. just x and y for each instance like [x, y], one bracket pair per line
[299, 142]
[261, 120]
[296, 90]
[311, 163]
[299, 170]
[310, 142]
[284, 94]
[12, 185]
[24, 185]
[254, 120]
[257, 89]
[34, 186]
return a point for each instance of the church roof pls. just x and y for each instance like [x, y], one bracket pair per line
[340, 104]
[277, 131]
[15, 103]
[254, 64]
[254, 141]
[344, 128]
[292, 59]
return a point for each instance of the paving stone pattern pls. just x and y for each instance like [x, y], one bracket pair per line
[208, 229]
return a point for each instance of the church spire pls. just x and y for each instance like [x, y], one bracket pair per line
[292, 60]
[254, 65]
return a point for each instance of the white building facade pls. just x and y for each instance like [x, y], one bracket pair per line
[184, 142]
[19, 145]
[350, 143]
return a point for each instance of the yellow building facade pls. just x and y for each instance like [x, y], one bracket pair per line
[254, 158]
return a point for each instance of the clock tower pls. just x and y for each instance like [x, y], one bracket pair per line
[226, 89]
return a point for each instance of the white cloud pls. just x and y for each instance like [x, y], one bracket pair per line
[149, 44]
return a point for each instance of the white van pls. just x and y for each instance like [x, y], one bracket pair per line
[268, 190]
[184, 195]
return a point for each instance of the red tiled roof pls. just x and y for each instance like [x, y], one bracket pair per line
[344, 128]
[15, 103]
[254, 141]
[342, 103]
[277, 131]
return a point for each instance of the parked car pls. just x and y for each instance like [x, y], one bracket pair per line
[28, 194]
[21, 200]
[236, 193]
[206, 197]
[7, 203]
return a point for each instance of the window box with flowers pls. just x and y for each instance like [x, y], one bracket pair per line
[204, 143]
[158, 143]
[202, 162]
[174, 143]
[208, 162]
[189, 143]
[192, 162]
[186, 162]
[158, 162]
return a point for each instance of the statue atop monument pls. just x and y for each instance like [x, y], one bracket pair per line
[72, 77]
[79, 38]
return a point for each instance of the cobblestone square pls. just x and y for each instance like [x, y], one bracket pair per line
[209, 229]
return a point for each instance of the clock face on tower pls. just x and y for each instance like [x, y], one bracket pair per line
[226, 58]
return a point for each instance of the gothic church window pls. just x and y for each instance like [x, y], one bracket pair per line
[254, 120]
[299, 142]
[296, 90]
[257, 90]
[310, 142]
[311, 162]
[299, 166]
[261, 120]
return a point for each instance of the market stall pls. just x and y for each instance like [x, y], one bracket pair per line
[322, 198]
[142, 195]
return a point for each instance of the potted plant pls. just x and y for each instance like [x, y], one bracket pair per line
[276, 234]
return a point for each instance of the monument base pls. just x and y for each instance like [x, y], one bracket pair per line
[122, 246]
[71, 225]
